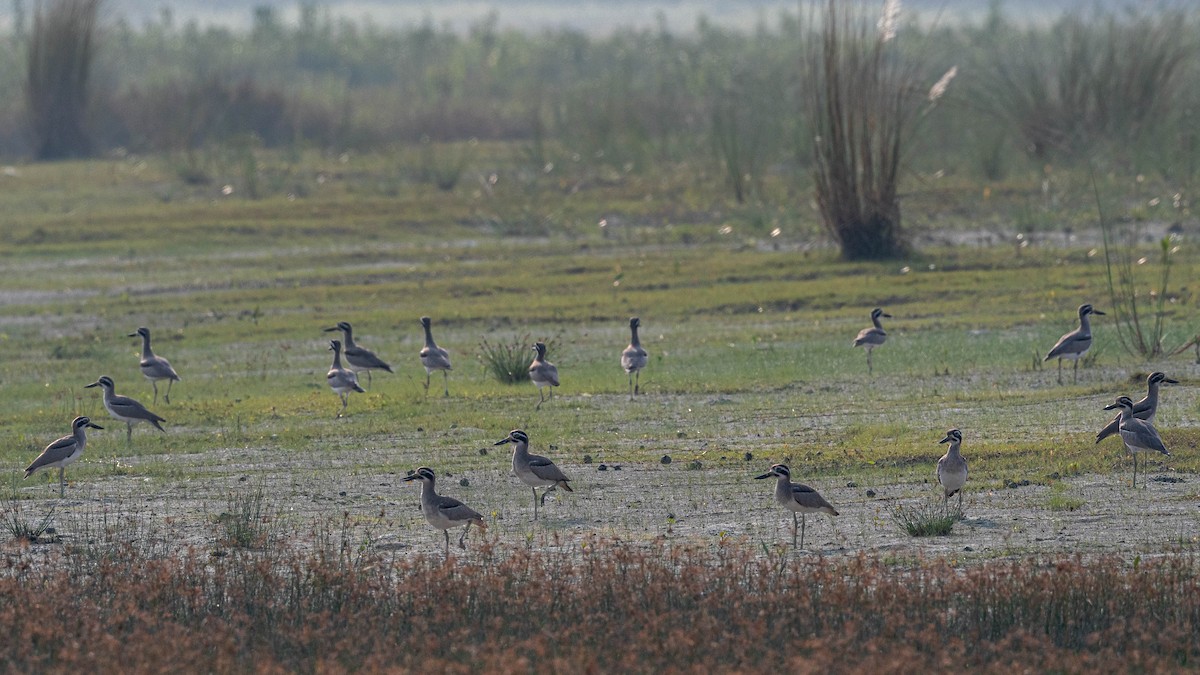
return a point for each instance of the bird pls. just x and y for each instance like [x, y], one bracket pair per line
[1139, 435]
[340, 380]
[542, 373]
[125, 409]
[873, 336]
[155, 368]
[1144, 409]
[359, 359]
[534, 470]
[1075, 344]
[434, 358]
[952, 468]
[633, 359]
[62, 452]
[796, 498]
[445, 512]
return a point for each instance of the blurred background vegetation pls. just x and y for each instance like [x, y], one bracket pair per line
[1114, 88]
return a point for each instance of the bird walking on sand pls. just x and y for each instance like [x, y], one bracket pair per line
[534, 470]
[797, 498]
[1074, 344]
[542, 373]
[872, 336]
[434, 358]
[445, 512]
[125, 409]
[952, 468]
[633, 359]
[62, 452]
[155, 368]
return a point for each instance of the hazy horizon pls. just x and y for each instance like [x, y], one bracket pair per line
[536, 15]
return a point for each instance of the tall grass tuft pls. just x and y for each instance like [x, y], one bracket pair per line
[863, 107]
[60, 53]
[1140, 317]
[1088, 80]
[247, 520]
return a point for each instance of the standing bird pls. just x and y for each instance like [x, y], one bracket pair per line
[633, 359]
[1139, 435]
[1144, 409]
[434, 358]
[155, 368]
[125, 409]
[62, 452]
[534, 470]
[445, 512]
[358, 358]
[952, 468]
[872, 337]
[796, 498]
[542, 373]
[1075, 344]
[340, 380]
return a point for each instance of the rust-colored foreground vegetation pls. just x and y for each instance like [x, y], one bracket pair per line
[606, 606]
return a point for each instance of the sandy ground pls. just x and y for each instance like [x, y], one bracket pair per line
[1083, 514]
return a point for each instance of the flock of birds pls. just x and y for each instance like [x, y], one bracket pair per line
[1133, 422]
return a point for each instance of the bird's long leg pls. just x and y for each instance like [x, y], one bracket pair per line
[960, 502]
[870, 368]
[154, 383]
[446, 382]
[631, 389]
[1134, 470]
[795, 526]
[463, 539]
[547, 491]
[62, 482]
[535, 503]
[1060, 371]
[1075, 373]
[368, 372]
[541, 399]
[167, 396]
[803, 522]
[637, 382]
[345, 402]
[447, 533]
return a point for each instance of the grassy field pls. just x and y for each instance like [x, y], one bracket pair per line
[750, 364]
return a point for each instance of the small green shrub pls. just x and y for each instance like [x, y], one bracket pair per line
[23, 529]
[930, 519]
[246, 522]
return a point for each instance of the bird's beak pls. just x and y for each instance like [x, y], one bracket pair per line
[1096, 311]
[94, 425]
[133, 335]
[887, 315]
[1111, 406]
[765, 475]
[945, 440]
[330, 330]
[412, 477]
[502, 441]
[1167, 380]
[94, 384]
